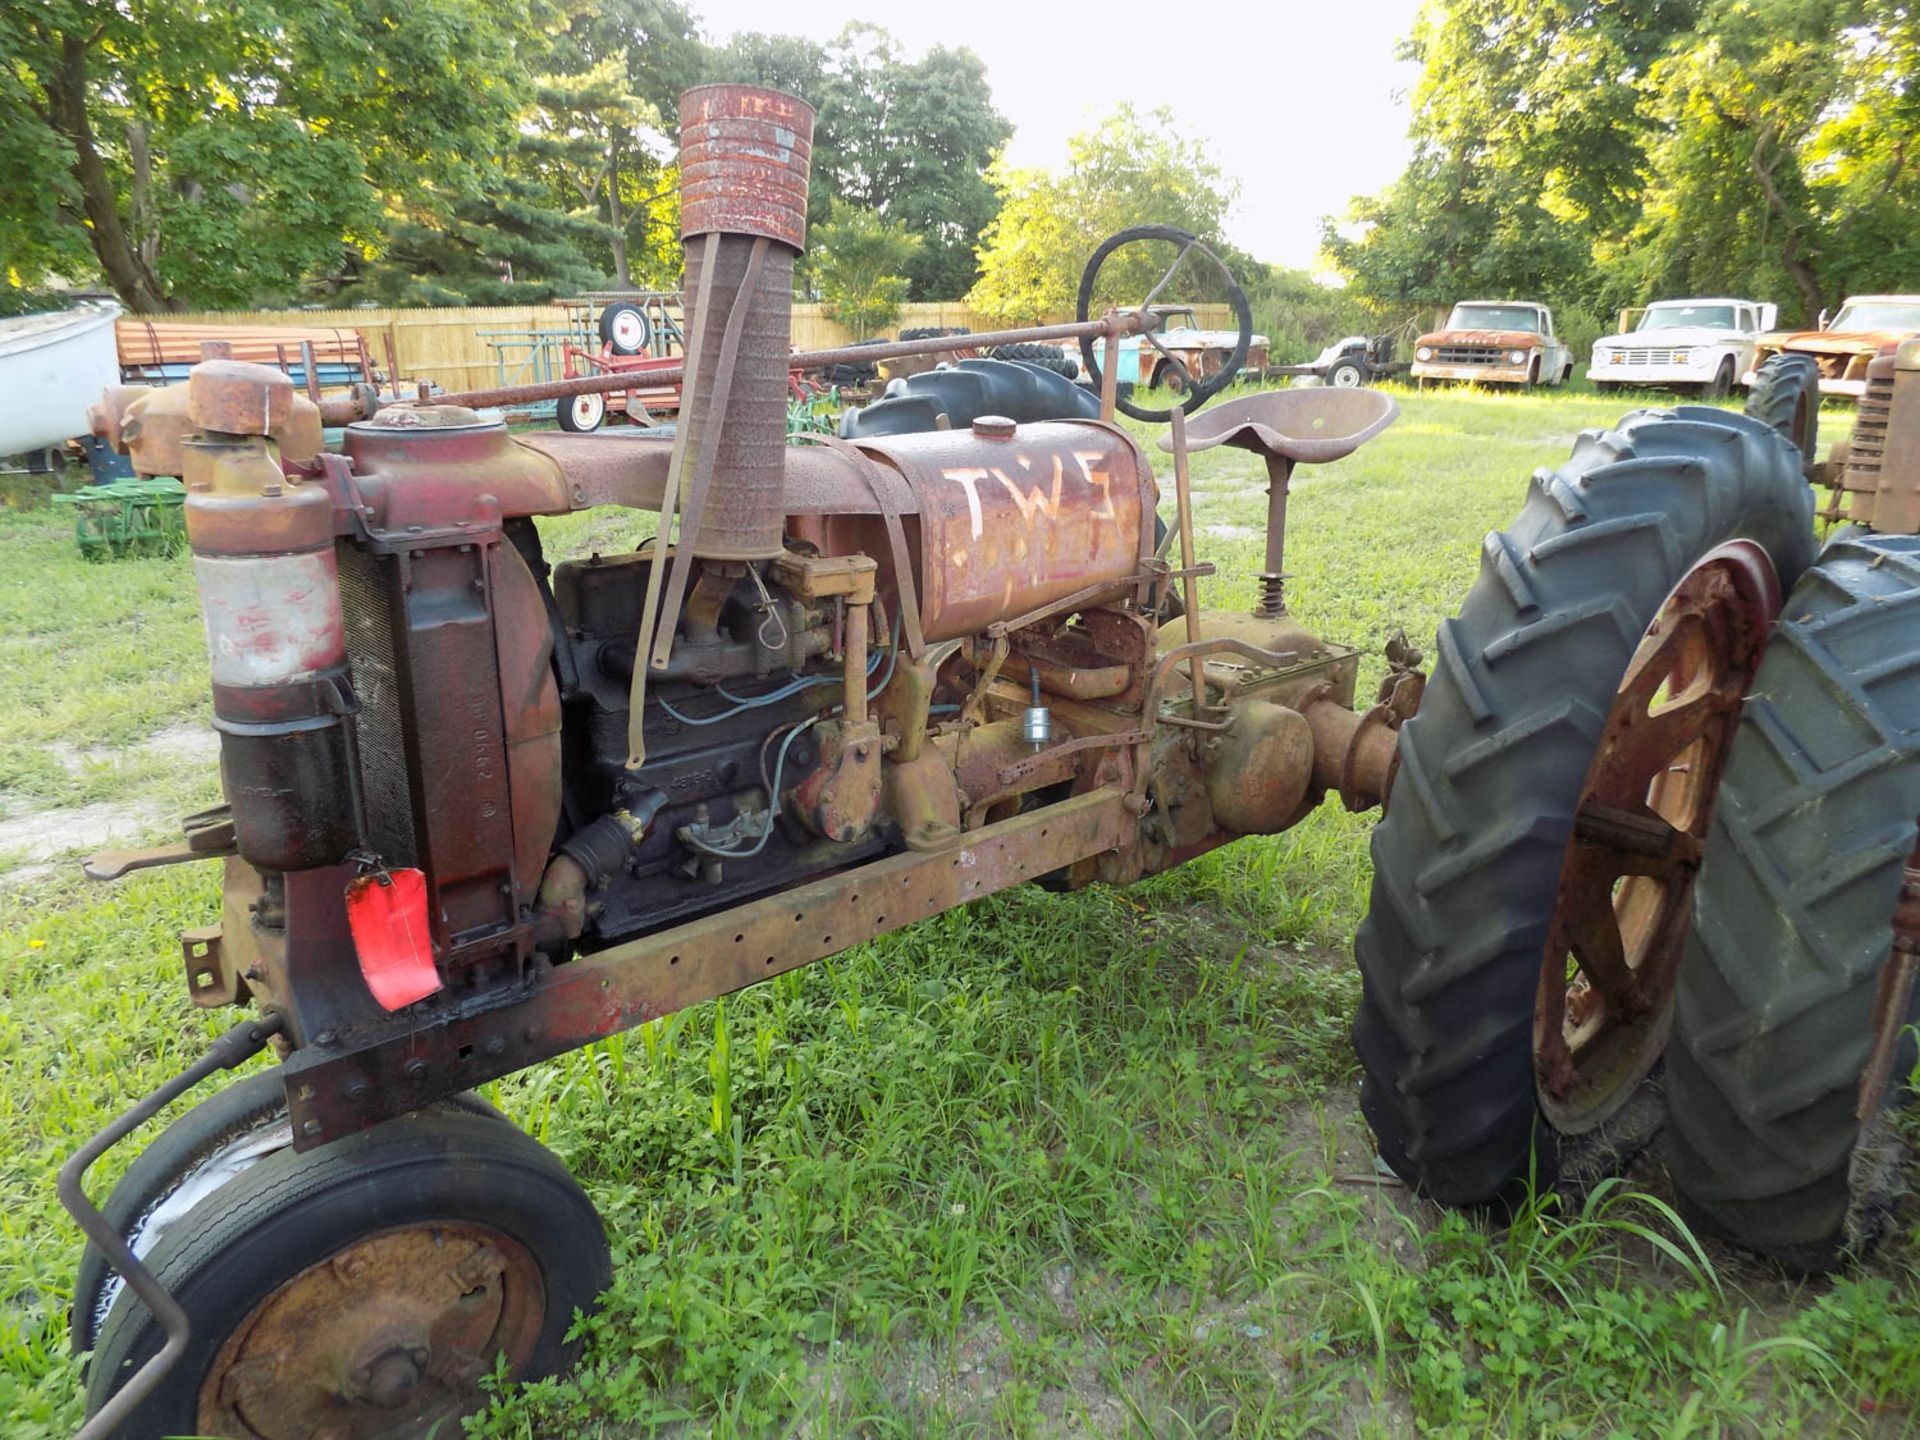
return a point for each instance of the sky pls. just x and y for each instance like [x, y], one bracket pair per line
[1303, 103]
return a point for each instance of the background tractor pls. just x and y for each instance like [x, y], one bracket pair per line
[488, 804]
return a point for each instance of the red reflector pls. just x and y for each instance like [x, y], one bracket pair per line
[387, 913]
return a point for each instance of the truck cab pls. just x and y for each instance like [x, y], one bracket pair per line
[1494, 342]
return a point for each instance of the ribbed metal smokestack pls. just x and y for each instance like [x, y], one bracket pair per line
[745, 153]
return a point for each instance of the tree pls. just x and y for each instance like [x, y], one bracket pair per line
[1785, 170]
[1129, 170]
[584, 140]
[856, 261]
[1531, 129]
[218, 154]
[909, 140]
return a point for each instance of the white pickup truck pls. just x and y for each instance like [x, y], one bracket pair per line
[1700, 346]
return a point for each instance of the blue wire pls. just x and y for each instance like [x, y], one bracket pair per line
[773, 802]
[743, 703]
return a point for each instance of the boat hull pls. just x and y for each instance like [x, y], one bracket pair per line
[51, 368]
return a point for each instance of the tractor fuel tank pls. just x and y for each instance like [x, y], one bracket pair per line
[1012, 518]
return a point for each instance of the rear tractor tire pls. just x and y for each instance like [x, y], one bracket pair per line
[365, 1288]
[1786, 395]
[1532, 875]
[1791, 1023]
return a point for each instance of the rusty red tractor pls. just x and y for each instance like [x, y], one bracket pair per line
[485, 806]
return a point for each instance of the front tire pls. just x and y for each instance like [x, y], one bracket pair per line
[1788, 1032]
[368, 1285]
[1469, 859]
[1346, 375]
[214, 1142]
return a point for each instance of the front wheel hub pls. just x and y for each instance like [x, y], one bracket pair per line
[387, 1338]
[1605, 998]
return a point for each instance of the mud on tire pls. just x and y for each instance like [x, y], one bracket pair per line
[1468, 857]
[1793, 917]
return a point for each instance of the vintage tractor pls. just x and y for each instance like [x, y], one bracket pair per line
[486, 805]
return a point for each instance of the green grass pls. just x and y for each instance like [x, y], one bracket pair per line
[1082, 1164]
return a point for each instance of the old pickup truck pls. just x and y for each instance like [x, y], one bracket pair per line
[1697, 346]
[1494, 342]
[1843, 347]
[1201, 352]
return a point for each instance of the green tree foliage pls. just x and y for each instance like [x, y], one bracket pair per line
[1530, 133]
[1131, 169]
[909, 140]
[218, 154]
[857, 262]
[1785, 167]
[270, 151]
[1596, 154]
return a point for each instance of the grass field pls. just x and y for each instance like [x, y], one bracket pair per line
[1045, 1166]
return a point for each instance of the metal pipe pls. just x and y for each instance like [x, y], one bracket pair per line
[1183, 502]
[1119, 323]
[237, 1046]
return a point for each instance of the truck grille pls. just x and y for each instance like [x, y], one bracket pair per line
[1466, 355]
[366, 599]
[1647, 355]
[1868, 446]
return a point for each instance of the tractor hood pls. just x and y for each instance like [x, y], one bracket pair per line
[1839, 342]
[1497, 339]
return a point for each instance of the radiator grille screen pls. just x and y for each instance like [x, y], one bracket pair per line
[1868, 446]
[366, 596]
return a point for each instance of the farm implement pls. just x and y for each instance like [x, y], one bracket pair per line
[487, 804]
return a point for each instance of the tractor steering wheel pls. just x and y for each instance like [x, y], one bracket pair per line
[1198, 390]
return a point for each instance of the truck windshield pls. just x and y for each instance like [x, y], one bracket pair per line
[1878, 315]
[1495, 317]
[1672, 317]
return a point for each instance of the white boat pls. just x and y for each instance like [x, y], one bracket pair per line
[52, 367]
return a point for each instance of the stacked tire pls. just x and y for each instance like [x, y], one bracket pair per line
[1792, 1020]
[1469, 857]
[1048, 357]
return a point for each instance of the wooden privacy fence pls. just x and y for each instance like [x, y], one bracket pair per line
[450, 345]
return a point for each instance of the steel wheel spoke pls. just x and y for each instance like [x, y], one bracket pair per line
[1627, 879]
[1154, 293]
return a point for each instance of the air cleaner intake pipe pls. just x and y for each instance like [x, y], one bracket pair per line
[745, 153]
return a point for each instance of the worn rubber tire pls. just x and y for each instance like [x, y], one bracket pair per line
[1049, 357]
[293, 1210]
[1793, 917]
[250, 1104]
[624, 313]
[1467, 859]
[1786, 395]
[576, 415]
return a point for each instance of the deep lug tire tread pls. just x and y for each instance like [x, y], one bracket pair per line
[1793, 916]
[1775, 399]
[1467, 859]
